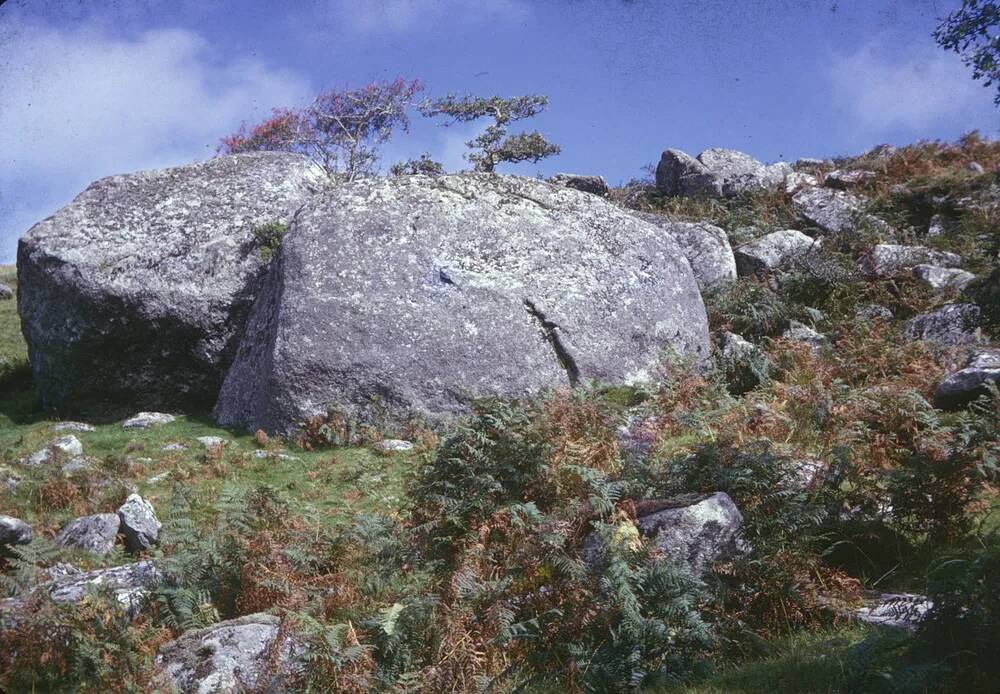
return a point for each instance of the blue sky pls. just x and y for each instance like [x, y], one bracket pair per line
[89, 89]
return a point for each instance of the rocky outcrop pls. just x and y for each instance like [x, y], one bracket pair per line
[157, 269]
[954, 324]
[891, 260]
[962, 387]
[95, 533]
[441, 290]
[705, 246]
[595, 185]
[138, 523]
[234, 656]
[779, 249]
[720, 173]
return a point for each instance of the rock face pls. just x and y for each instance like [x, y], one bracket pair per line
[158, 269]
[775, 250]
[954, 324]
[943, 278]
[718, 173]
[93, 533]
[962, 387]
[890, 260]
[697, 532]
[833, 211]
[139, 523]
[441, 290]
[14, 531]
[705, 246]
[233, 656]
[595, 185]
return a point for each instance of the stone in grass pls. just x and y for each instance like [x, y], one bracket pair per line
[144, 420]
[962, 387]
[95, 533]
[14, 531]
[898, 611]
[392, 446]
[72, 426]
[173, 447]
[943, 278]
[803, 333]
[69, 446]
[212, 441]
[139, 523]
[6, 293]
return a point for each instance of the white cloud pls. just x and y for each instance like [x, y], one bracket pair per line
[399, 16]
[924, 88]
[76, 105]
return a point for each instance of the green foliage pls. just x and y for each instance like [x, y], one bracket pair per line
[972, 32]
[749, 308]
[423, 165]
[268, 238]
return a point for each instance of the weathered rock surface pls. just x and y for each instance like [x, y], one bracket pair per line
[899, 611]
[697, 532]
[6, 293]
[891, 260]
[833, 211]
[392, 446]
[744, 365]
[719, 173]
[842, 180]
[14, 531]
[595, 185]
[954, 324]
[803, 333]
[943, 278]
[962, 387]
[138, 523]
[772, 251]
[138, 290]
[441, 290]
[73, 426]
[211, 441]
[705, 246]
[144, 420]
[233, 656]
[68, 446]
[95, 533]
[874, 312]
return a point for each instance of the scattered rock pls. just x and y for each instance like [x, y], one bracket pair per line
[936, 226]
[392, 446]
[954, 324]
[93, 533]
[743, 363]
[705, 246]
[232, 656]
[14, 531]
[962, 387]
[975, 167]
[595, 185]
[899, 611]
[73, 426]
[68, 446]
[137, 291]
[719, 173]
[874, 312]
[172, 447]
[156, 479]
[779, 249]
[833, 211]
[144, 420]
[6, 293]
[891, 260]
[943, 278]
[139, 524]
[808, 162]
[501, 286]
[212, 441]
[76, 464]
[842, 180]
[9, 479]
[803, 333]
[696, 531]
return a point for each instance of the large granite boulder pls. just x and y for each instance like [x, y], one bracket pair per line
[138, 290]
[416, 295]
[719, 173]
[139, 524]
[705, 246]
[695, 531]
[953, 324]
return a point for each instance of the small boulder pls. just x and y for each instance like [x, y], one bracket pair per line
[68, 446]
[228, 657]
[678, 173]
[962, 387]
[595, 185]
[73, 426]
[705, 246]
[975, 167]
[803, 333]
[392, 446]
[211, 441]
[936, 227]
[696, 531]
[744, 364]
[173, 447]
[14, 531]
[138, 523]
[833, 211]
[808, 163]
[943, 278]
[874, 313]
[898, 611]
[842, 180]
[144, 420]
[95, 533]
[891, 260]
[779, 249]
[6, 293]
[954, 324]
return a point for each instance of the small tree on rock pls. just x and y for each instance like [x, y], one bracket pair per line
[495, 145]
[340, 130]
[973, 31]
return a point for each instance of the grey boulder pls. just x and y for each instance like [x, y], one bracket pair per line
[67, 446]
[139, 523]
[943, 278]
[14, 531]
[962, 387]
[145, 420]
[95, 533]
[705, 246]
[954, 324]
[595, 185]
[237, 655]
[893, 610]
[779, 249]
[843, 180]
[800, 332]
[6, 293]
[73, 426]
[696, 532]
[138, 290]
[833, 211]
[720, 173]
[417, 295]
[891, 260]
[744, 364]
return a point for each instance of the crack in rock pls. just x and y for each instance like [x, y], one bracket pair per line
[550, 333]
